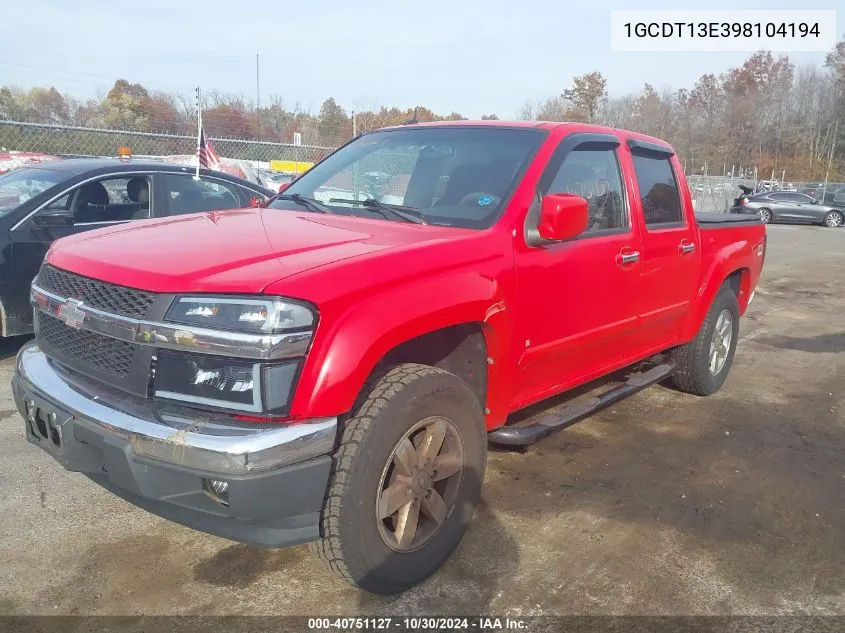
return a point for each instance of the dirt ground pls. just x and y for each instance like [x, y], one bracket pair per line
[664, 504]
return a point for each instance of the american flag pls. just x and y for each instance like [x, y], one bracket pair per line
[205, 153]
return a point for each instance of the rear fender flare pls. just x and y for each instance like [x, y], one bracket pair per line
[731, 259]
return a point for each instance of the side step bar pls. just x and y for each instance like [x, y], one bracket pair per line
[570, 414]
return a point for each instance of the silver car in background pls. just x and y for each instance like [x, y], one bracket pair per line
[790, 207]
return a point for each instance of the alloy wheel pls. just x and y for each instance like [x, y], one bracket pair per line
[720, 343]
[420, 484]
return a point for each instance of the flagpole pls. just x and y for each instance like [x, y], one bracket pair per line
[199, 134]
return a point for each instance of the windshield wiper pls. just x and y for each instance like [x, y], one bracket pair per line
[309, 203]
[407, 214]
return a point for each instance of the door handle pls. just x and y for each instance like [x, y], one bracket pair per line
[628, 258]
[686, 247]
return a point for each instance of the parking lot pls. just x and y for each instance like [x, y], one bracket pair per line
[664, 504]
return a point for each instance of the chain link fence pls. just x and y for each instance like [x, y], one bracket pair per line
[715, 194]
[70, 141]
[709, 193]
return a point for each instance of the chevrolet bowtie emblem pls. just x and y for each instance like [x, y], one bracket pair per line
[70, 313]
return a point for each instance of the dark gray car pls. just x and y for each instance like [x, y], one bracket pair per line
[790, 207]
[45, 202]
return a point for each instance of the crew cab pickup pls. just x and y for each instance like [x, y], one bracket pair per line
[330, 368]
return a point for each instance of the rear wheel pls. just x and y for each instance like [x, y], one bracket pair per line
[703, 364]
[406, 480]
[765, 215]
[833, 219]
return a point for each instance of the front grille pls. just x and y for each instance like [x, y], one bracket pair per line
[100, 352]
[97, 294]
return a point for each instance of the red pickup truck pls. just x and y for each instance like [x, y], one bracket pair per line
[331, 367]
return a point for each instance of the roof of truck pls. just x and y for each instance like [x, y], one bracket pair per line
[538, 125]
[487, 123]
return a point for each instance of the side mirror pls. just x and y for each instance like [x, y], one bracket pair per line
[562, 216]
[53, 217]
[283, 186]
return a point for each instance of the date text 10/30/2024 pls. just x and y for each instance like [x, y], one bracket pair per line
[416, 624]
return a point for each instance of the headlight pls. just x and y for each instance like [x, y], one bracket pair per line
[226, 383]
[242, 314]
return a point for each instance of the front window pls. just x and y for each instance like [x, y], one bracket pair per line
[594, 175]
[450, 175]
[19, 185]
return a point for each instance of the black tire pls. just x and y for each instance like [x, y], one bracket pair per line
[692, 373]
[765, 215]
[833, 219]
[352, 544]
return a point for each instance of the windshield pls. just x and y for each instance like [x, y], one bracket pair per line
[19, 185]
[451, 175]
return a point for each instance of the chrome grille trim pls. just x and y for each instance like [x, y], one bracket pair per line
[171, 335]
[97, 294]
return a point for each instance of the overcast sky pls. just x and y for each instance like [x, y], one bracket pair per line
[469, 56]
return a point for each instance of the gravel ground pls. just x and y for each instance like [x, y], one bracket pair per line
[664, 504]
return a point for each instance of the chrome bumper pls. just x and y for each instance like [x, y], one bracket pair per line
[179, 436]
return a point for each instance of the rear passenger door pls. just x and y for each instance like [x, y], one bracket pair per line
[670, 254]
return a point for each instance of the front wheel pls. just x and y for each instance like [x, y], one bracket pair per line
[833, 219]
[406, 480]
[703, 364]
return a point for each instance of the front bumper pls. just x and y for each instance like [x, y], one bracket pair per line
[161, 458]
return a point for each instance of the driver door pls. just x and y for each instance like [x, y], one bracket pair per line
[67, 214]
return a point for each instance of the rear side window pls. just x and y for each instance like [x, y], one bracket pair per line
[659, 192]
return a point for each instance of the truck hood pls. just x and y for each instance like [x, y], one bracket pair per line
[238, 251]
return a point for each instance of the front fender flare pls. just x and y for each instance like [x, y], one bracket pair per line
[349, 344]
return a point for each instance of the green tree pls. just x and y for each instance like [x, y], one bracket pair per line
[332, 122]
[46, 105]
[10, 106]
[124, 106]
